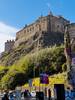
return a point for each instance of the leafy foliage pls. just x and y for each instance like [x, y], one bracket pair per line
[49, 60]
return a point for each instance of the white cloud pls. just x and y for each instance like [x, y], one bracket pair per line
[6, 33]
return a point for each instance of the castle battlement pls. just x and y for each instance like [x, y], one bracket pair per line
[9, 45]
[10, 41]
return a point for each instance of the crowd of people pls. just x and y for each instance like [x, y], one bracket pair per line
[21, 95]
[15, 95]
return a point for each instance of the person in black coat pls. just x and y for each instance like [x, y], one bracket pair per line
[5, 97]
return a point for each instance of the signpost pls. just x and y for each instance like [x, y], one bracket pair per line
[44, 79]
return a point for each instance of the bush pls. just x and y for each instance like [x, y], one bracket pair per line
[49, 60]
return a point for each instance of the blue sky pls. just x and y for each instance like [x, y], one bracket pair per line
[14, 14]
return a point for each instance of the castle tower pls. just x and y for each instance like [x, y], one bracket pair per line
[9, 45]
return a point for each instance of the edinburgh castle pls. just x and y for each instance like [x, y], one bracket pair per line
[44, 32]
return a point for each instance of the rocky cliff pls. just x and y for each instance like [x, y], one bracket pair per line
[36, 42]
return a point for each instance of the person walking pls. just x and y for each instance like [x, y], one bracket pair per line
[5, 97]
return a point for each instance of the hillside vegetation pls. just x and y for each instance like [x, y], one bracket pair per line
[39, 40]
[49, 60]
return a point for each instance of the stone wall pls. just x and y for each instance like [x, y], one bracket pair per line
[9, 45]
[38, 25]
[58, 23]
[71, 29]
[47, 24]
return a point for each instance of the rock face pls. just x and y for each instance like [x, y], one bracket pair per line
[39, 41]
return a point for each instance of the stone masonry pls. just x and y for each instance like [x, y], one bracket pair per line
[9, 45]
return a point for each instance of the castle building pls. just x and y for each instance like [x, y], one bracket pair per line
[46, 24]
[50, 25]
[9, 45]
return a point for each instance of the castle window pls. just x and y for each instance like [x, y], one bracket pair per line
[39, 27]
[36, 25]
[44, 19]
[24, 31]
[27, 30]
[58, 27]
[30, 29]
